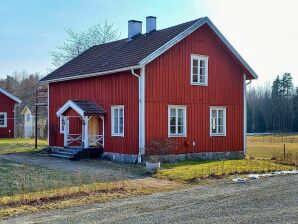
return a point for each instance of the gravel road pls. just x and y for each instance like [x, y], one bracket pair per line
[272, 200]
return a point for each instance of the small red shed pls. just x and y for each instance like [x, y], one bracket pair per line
[184, 82]
[8, 103]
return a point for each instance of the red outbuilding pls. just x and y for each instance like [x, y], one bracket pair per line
[185, 82]
[8, 103]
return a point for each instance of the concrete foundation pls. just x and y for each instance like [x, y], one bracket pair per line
[172, 158]
[122, 158]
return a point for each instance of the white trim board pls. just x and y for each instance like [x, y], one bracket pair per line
[10, 96]
[70, 104]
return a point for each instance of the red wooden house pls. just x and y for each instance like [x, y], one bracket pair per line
[8, 103]
[184, 82]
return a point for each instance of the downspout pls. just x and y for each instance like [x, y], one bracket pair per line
[141, 81]
[245, 112]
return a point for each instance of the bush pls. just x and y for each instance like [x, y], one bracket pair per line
[157, 148]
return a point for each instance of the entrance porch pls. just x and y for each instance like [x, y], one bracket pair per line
[82, 126]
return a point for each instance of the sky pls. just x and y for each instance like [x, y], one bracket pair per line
[264, 32]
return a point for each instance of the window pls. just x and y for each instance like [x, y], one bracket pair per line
[118, 121]
[177, 121]
[28, 116]
[218, 121]
[3, 120]
[199, 70]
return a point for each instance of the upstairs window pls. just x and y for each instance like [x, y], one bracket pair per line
[199, 70]
[118, 121]
[218, 121]
[177, 121]
[3, 120]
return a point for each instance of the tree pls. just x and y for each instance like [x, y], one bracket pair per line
[77, 42]
[295, 111]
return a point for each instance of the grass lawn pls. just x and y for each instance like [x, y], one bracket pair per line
[19, 178]
[20, 145]
[25, 188]
[190, 171]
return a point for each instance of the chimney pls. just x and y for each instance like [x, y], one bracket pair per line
[150, 24]
[134, 28]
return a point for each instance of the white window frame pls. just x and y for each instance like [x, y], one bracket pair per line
[5, 120]
[183, 107]
[112, 120]
[217, 108]
[199, 58]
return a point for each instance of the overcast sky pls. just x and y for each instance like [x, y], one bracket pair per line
[264, 32]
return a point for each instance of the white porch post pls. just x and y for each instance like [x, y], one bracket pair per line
[85, 132]
[103, 131]
[65, 123]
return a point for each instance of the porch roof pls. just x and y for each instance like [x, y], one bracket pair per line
[82, 107]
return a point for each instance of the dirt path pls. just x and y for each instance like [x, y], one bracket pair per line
[272, 200]
[108, 170]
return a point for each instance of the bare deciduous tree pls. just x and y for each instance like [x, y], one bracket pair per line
[77, 42]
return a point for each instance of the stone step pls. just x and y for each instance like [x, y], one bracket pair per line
[63, 155]
[63, 150]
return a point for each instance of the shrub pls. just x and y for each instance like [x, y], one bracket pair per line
[155, 149]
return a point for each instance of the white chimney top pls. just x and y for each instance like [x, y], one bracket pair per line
[150, 24]
[134, 28]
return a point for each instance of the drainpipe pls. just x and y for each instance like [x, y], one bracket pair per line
[141, 111]
[245, 111]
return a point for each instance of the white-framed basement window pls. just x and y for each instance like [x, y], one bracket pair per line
[177, 121]
[3, 119]
[199, 70]
[218, 121]
[117, 118]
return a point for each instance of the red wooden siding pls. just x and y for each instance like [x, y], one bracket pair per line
[7, 105]
[168, 83]
[107, 90]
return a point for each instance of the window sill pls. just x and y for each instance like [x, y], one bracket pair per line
[199, 84]
[177, 136]
[218, 135]
[115, 135]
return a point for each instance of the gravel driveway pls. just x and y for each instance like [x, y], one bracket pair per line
[272, 200]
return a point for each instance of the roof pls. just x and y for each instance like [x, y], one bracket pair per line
[9, 95]
[82, 107]
[127, 54]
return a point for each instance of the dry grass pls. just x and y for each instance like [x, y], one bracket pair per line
[80, 195]
[20, 145]
[27, 188]
[191, 171]
[272, 147]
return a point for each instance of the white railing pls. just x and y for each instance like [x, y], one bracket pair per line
[74, 138]
[94, 140]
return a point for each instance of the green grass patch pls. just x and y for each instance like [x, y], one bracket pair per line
[190, 171]
[20, 145]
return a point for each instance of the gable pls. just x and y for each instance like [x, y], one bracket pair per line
[7, 97]
[127, 54]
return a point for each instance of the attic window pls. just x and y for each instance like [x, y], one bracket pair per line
[199, 70]
[3, 120]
